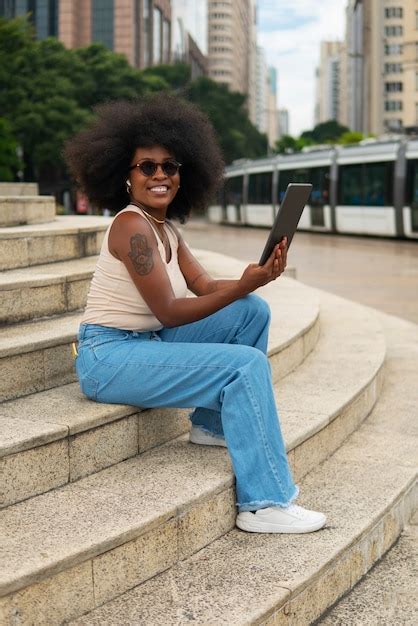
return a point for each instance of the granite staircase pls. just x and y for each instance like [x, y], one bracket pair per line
[110, 516]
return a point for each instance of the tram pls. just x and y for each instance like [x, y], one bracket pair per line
[367, 189]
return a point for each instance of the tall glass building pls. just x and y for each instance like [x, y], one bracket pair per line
[139, 29]
[42, 13]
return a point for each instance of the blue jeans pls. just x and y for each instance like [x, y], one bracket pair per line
[218, 364]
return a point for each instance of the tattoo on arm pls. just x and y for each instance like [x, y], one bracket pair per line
[141, 255]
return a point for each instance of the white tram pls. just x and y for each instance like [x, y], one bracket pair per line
[369, 189]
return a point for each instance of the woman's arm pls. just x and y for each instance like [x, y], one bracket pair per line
[198, 279]
[132, 241]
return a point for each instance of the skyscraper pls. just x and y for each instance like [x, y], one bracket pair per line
[189, 41]
[382, 60]
[139, 29]
[231, 39]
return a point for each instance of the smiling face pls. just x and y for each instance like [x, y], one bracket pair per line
[156, 191]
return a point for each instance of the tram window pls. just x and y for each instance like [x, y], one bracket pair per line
[292, 176]
[259, 188]
[367, 184]
[412, 192]
[351, 192]
[319, 177]
[378, 189]
[233, 193]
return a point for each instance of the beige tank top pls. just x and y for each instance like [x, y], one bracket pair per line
[113, 299]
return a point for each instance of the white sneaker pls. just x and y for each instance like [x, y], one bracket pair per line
[197, 435]
[291, 519]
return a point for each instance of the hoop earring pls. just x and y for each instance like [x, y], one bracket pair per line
[128, 186]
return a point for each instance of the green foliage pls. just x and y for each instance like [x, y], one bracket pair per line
[287, 144]
[47, 93]
[176, 76]
[326, 132]
[38, 96]
[9, 160]
[226, 110]
[100, 75]
[351, 137]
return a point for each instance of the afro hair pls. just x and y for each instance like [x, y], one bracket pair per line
[99, 156]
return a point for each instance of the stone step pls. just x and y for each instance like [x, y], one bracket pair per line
[35, 356]
[19, 189]
[388, 594]
[67, 237]
[56, 436]
[15, 210]
[131, 521]
[44, 290]
[367, 489]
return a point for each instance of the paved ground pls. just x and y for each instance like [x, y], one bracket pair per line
[380, 273]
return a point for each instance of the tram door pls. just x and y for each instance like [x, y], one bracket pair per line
[234, 195]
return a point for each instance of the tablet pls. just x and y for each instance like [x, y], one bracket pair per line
[287, 219]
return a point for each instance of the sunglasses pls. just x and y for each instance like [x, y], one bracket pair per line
[147, 167]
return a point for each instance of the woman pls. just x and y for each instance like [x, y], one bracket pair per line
[142, 341]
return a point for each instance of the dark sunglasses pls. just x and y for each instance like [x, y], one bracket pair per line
[147, 167]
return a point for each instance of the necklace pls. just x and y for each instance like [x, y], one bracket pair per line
[149, 214]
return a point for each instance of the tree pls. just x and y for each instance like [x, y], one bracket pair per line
[100, 75]
[351, 137]
[176, 76]
[38, 96]
[47, 93]
[10, 163]
[326, 132]
[226, 110]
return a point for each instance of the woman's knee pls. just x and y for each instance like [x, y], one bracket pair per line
[249, 358]
[258, 307]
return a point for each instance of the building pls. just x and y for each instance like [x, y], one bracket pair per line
[43, 14]
[272, 125]
[139, 29]
[283, 122]
[189, 41]
[328, 82]
[261, 95]
[382, 60]
[231, 46]
[354, 62]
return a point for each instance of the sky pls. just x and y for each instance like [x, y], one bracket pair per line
[290, 32]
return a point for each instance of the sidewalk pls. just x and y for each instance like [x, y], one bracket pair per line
[380, 273]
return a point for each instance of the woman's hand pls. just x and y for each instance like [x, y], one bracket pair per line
[255, 275]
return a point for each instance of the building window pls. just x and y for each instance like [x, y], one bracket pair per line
[393, 68]
[146, 18]
[393, 48]
[166, 41]
[102, 22]
[7, 9]
[393, 105]
[393, 87]
[394, 12]
[393, 124]
[393, 31]
[156, 35]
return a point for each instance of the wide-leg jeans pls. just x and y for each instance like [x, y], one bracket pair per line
[219, 365]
